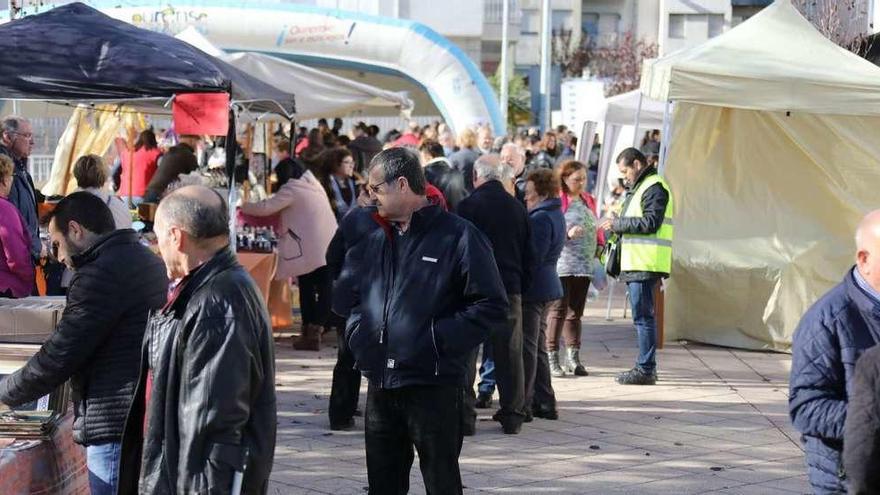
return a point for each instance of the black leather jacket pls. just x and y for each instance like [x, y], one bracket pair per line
[212, 408]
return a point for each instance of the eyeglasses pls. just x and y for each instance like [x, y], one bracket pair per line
[374, 188]
[26, 135]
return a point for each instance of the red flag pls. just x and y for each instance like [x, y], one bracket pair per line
[201, 113]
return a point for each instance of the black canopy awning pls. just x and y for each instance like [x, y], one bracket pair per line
[75, 53]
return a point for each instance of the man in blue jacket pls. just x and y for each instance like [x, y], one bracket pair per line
[829, 339]
[430, 293]
[17, 142]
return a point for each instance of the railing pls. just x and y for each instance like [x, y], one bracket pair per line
[493, 11]
[40, 167]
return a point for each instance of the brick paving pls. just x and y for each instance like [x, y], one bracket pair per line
[715, 423]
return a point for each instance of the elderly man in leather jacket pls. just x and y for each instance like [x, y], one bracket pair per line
[207, 386]
[428, 293]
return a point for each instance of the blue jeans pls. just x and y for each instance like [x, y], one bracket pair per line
[103, 462]
[487, 371]
[641, 298]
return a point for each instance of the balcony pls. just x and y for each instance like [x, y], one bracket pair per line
[493, 10]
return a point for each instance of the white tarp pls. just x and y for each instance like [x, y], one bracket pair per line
[774, 61]
[318, 94]
[772, 161]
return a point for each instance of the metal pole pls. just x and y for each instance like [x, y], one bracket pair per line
[505, 20]
[544, 120]
[638, 121]
[665, 137]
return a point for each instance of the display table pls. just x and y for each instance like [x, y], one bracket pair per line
[54, 465]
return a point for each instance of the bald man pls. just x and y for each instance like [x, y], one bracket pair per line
[829, 339]
[207, 387]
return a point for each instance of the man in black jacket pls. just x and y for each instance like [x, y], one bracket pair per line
[429, 295]
[505, 222]
[17, 142]
[116, 283]
[440, 174]
[646, 228]
[207, 385]
[344, 257]
[364, 146]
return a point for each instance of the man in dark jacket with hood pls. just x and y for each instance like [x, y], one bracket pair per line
[429, 295]
[116, 283]
[440, 173]
[207, 386]
[828, 341]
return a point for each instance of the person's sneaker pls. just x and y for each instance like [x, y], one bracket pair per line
[636, 376]
[342, 425]
[484, 401]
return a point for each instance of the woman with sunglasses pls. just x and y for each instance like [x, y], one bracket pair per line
[16, 268]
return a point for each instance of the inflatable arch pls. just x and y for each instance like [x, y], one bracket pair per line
[332, 38]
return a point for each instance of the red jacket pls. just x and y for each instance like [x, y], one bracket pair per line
[145, 165]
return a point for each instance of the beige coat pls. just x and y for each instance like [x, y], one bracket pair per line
[307, 225]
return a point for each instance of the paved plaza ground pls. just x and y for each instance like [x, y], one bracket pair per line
[715, 423]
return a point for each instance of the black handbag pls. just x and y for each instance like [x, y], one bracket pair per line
[611, 256]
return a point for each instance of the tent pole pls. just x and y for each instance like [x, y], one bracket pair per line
[230, 173]
[664, 147]
[290, 136]
[638, 121]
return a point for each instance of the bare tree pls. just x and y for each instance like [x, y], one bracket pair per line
[620, 63]
[571, 54]
[845, 22]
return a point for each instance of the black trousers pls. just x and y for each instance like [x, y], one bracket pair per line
[315, 290]
[538, 390]
[424, 417]
[346, 383]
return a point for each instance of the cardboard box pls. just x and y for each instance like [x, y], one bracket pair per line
[29, 320]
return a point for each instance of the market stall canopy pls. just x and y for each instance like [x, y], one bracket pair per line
[75, 53]
[320, 94]
[621, 110]
[774, 61]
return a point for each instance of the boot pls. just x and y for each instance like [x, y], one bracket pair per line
[555, 370]
[574, 362]
[310, 340]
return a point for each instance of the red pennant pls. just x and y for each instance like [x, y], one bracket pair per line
[205, 114]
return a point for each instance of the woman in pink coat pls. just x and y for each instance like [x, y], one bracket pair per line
[307, 225]
[16, 268]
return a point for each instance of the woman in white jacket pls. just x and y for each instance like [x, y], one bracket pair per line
[307, 225]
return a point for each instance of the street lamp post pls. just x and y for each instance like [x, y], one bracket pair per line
[544, 118]
[505, 20]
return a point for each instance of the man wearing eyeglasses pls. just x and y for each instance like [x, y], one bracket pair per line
[17, 142]
[428, 293]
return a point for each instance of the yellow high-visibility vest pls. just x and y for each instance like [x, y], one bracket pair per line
[653, 252]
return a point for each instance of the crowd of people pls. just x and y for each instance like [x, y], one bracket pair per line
[418, 249]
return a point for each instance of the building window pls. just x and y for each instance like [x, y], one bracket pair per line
[716, 25]
[676, 25]
[590, 24]
[560, 20]
[531, 21]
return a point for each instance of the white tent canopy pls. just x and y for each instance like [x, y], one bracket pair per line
[772, 162]
[318, 94]
[774, 61]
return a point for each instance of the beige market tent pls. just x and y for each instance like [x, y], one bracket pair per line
[773, 158]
